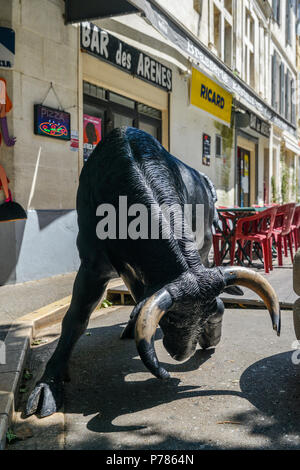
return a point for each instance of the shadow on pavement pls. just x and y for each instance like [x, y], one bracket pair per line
[109, 381]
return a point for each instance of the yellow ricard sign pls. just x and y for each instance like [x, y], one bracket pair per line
[211, 97]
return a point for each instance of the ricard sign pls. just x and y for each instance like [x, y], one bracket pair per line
[105, 46]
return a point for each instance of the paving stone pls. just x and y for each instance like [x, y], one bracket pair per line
[3, 430]
[9, 381]
[6, 403]
[14, 361]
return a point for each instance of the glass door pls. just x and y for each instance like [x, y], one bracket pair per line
[243, 161]
[105, 110]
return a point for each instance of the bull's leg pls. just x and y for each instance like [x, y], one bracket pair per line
[211, 333]
[47, 397]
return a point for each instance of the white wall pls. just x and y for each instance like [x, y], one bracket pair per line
[187, 124]
[46, 51]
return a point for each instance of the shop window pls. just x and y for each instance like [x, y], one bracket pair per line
[148, 111]
[150, 128]
[94, 90]
[218, 146]
[103, 110]
[121, 100]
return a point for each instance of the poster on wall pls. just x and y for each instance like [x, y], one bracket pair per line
[206, 140]
[91, 134]
[74, 143]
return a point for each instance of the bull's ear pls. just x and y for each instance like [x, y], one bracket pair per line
[148, 318]
[233, 290]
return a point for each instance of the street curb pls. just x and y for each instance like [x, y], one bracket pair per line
[16, 346]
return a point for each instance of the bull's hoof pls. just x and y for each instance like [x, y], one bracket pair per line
[45, 399]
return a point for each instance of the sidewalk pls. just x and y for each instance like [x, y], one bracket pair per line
[17, 300]
[245, 394]
[247, 339]
[24, 309]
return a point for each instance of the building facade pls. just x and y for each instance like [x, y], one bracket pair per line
[214, 80]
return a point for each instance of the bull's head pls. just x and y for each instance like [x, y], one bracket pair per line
[180, 308]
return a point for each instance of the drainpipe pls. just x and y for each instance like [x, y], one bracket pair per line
[235, 160]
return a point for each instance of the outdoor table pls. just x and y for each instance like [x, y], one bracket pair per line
[237, 212]
[242, 209]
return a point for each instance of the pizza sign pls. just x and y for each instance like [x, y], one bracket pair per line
[51, 122]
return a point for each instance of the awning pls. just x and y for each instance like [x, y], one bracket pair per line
[78, 10]
[184, 41]
[291, 143]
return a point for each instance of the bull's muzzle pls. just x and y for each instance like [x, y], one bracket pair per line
[159, 303]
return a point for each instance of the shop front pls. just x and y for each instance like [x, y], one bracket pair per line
[252, 159]
[122, 86]
[211, 131]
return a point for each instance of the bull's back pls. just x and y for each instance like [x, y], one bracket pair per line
[131, 163]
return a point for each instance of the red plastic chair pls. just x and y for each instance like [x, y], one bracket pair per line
[295, 227]
[282, 231]
[222, 234]
[256, 229]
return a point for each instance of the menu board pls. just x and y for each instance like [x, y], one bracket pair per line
[206, 147]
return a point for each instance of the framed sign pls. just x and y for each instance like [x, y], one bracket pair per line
[105, 46]
[206, 146]
[51, 122]
[7, 47]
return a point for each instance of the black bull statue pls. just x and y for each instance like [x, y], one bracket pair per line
[168, 277]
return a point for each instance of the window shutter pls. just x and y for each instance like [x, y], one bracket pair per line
[276, 10]
[281, 109]
[293, 102]
[287, 95]
[288, 22]
[274, 80]
[274, 4]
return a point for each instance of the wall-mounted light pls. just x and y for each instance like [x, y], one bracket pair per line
[185, 73]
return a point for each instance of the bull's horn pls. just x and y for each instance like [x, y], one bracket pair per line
[145, 328]
[235, 275]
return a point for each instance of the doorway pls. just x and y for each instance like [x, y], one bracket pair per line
[244, 182]
[112, 110]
